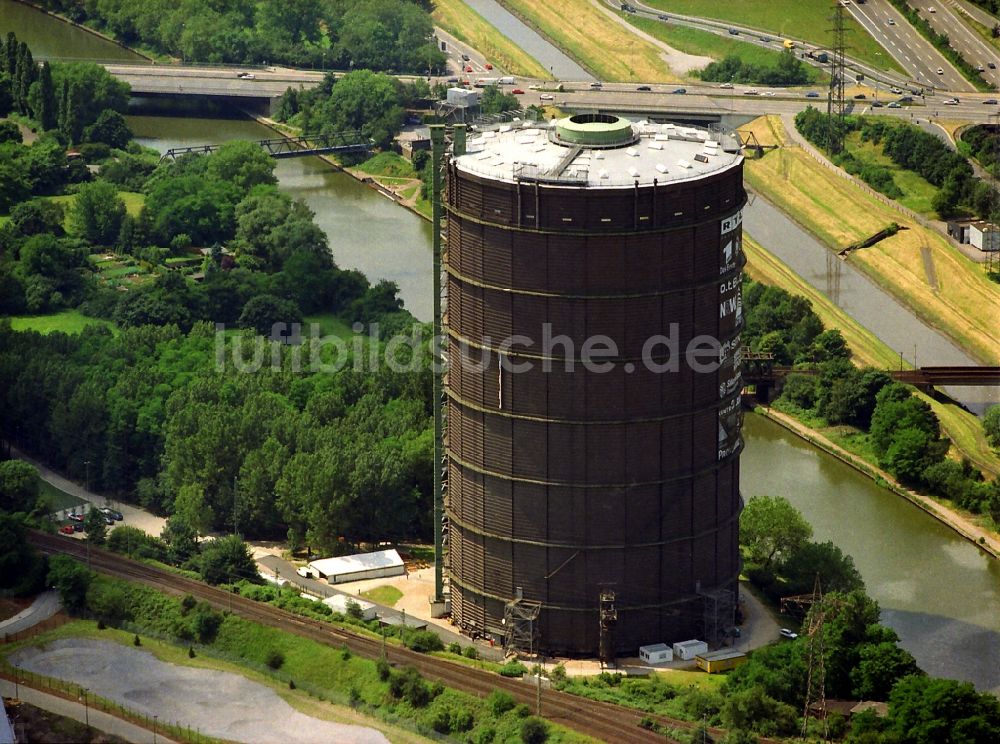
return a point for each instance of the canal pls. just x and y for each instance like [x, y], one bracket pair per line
[937, 590]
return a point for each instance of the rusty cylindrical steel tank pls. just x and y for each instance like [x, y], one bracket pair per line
[563, 483]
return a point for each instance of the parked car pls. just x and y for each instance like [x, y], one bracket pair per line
[812, 94]
[786, 633]
[517, 92]
[679, 91]
[77, 527]
[643, 87]
[76, 517]
[66, 529]
[990, 102]
[113, 513]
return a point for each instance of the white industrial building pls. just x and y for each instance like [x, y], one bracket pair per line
[463, 97]
[341, 602]
[985, 236]
[359, 566]
[687, 650]
[656, 653]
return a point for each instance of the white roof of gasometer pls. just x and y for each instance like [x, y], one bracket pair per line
[596, 150]
[348, 564]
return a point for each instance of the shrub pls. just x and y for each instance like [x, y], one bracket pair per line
[291, 684]
[499, 702]
[190, 652]
[423, 641]
[455, 648]
[275, 658]
[410, 686]
[383, 669]
[136, 641]
[471, 652]
[513, 669]
[534, 730]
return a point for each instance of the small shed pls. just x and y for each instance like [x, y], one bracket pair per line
[959, 230]
[359, 566]
[714, 662]
[687, 650]
[656, 653]
[985, 236]
[341, 603]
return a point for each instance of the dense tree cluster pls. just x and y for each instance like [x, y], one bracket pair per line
[395, 35]
[318, 456]
[789, 70]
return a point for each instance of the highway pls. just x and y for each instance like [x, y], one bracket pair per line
[963, 38]
[881, 19]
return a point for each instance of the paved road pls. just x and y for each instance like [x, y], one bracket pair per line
[917, 55]
[79, 712]
[45, 606]
[962, 37]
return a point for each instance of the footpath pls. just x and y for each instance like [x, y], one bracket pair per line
[980, 537]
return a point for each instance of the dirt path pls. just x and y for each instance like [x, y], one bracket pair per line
[968, 529]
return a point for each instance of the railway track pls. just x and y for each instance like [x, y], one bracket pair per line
[604, 721]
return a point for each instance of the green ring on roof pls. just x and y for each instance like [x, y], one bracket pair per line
[596, 130]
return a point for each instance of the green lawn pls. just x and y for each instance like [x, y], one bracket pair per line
[807, 20]
[388, 164]
[329, 325]
[133, 203]
[57, 499]
[383, 595]
[918, 193]
[705, 43]
[67, 321]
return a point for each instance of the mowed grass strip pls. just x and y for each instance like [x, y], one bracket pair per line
[67, 321]
[918, 193]
[465, 24]
[808, 20]
[586, 33]
[705, 43]
[965, 305]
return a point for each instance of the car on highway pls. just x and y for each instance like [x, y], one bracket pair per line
[488, 66]
[468, 68]
[786, 633]
[860, 97]
[734, 31]
[726, 85]
[895, 104]
[932, 9]
[246, 75]
[452, 80]
[940, 71]
[517, 92]
[990, 102]
[546, 97]
[679, 91]
[877, 104]
[765, 39]
[751, 92]
[812, 94]
[950, 102]
[663, 17]
[906, 99]
[895, 90]
[768, 93]
[597, 84]
[991, 65]
[465, 57]
[643, 87]
[980, 68]
[891, 22]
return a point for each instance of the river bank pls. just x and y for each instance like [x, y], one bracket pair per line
[985, 540]
[87, 29]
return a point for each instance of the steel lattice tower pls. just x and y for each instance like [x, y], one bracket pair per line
[835, 98]
[816, 675]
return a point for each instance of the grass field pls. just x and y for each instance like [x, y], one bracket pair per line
[807, 20]
[383, 595]
[67, 321]
[465, 24]
[329, 325]
[965, 304]
[133, 203]
[918, 193]
[57, 499]
[705, 43]
[608, 49]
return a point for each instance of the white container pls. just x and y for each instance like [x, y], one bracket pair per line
[687, 650]
[656, 653]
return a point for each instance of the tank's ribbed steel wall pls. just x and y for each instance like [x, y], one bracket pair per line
[564, 482]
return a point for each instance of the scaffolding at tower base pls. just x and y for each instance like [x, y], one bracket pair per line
[520, 621]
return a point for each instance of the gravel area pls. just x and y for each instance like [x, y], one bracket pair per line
[220, 704]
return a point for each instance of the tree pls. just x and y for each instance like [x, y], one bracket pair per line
[880, 666]
[534, 730]
[190, 507]
[912, 451]
[22, 570]
[757, 711]
[924, 710]
[96, 527]
[835, 569]
[243, 164]
[262, 312]
[365, 101]
[771, 528]
[991, 425]
[44, 104]
[109, 128]
[227, 560]
[97, 213]
[71, 579]
[18, 486]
